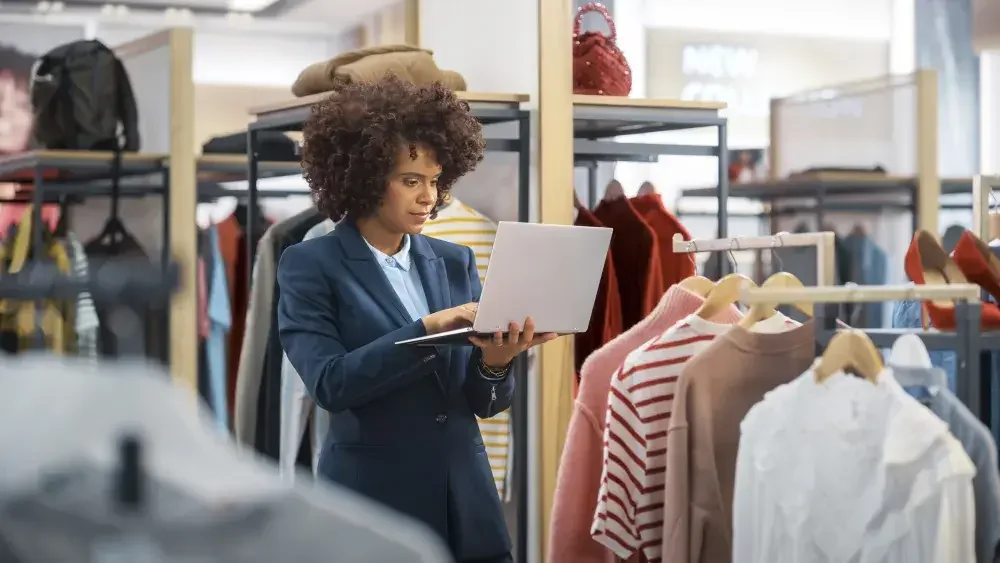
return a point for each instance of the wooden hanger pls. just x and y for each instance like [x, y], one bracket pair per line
[850, 351]
[647, 188]
[761, 311]
[725, 293]
[576, 201]
[699, 285]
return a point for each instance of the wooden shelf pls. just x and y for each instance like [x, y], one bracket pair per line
[471, 97]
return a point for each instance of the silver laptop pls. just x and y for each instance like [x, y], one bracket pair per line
[547, 272]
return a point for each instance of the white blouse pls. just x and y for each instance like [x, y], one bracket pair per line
[845, 471]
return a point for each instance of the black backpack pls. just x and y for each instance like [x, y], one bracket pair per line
[83, 100]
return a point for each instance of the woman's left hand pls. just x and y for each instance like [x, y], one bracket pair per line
[499, 351]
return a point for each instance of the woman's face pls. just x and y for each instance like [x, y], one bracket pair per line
[15, 115]
[412, 191]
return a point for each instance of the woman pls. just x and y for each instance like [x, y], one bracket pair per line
[381, 159]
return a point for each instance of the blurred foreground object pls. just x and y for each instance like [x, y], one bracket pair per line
[124, 470]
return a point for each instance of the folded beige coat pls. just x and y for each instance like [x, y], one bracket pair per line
[404, 61]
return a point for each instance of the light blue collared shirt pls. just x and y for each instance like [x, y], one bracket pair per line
[404, 279]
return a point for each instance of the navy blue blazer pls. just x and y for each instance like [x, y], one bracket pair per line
[402, 430]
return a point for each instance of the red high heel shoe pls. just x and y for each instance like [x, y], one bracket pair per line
[927, 263]
[976, 260]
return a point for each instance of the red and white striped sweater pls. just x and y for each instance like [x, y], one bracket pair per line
[629, 515]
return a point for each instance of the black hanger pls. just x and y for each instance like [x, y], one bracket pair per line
[62, 227]
[114, 232]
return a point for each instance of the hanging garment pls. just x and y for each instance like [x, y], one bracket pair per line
[978, 442]
[27, 325]
[152, 318]
[287, 233]
[606, 318]
[297, 406]
[674, 267]
[870, 263]
[848, 470]
[906, 314]
[578, 482]
[257, 411]
[635, 253]
[233, 246]
[220, 319]
[87, 323]
[715, 390]
[250, 368]
[640, 404]
[460, 224]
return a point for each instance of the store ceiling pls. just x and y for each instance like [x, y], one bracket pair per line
[341, 12]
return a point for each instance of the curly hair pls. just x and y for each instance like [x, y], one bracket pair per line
[351, 141]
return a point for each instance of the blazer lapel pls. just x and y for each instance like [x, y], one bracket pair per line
[432, 274]
[434, 279]
[361, 262]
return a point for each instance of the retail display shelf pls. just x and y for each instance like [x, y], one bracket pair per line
[602, 125]
[55, 166]
[209, 192]
[601, 117]
[489, 108]
[831, 184]
[233, 168]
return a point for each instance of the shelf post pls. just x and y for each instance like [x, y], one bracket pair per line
[555, 164]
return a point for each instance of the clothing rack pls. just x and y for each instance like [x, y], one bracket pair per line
[130, 282]
[602, 126]
[823, 241]
[830, 190]
[967, 341]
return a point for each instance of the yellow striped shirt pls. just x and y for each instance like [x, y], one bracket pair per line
[460, 224]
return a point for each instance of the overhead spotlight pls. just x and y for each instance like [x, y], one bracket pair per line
[43, 7]
[121, 11]
[57, 6]
[107, 10]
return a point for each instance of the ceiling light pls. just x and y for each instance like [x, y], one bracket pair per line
[248, 5]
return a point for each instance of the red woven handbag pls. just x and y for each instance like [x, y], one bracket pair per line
[599, 67]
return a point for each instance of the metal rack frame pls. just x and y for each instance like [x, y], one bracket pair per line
[821, 189]
[967, 341]
[79, 174]
[597, 122]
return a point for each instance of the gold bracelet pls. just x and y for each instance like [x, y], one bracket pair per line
[492, 372]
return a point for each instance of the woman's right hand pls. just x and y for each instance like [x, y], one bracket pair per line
[450, 319]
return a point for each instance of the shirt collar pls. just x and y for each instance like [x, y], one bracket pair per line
[400, 258]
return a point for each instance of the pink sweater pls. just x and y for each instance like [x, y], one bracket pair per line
[579, 478]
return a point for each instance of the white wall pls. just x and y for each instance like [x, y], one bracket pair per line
[989, 101]
[240, 57]
[862, 19]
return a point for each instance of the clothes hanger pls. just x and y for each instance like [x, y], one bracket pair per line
[850, 351]
[114, 233]
[760, 311]
[699, 285]
[647, 188]
[614, 191]
[576, 201]
[908, 351]
[726, 291]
